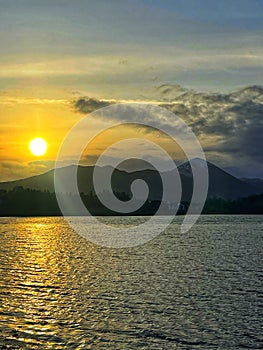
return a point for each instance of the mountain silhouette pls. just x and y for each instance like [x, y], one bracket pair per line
[221, 184]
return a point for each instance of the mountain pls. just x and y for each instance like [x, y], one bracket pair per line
[121, 180]
[134, 164]
[221, 184]
[254, 182]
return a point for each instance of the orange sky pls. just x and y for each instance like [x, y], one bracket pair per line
[123, 50]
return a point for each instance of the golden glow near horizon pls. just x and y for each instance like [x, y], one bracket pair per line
[38, 146]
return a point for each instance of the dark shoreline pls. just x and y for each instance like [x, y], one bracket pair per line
[145, 215]
[21, 202]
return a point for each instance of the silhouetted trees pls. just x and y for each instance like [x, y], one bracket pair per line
[28, 202]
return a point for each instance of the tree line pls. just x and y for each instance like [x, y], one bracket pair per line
[28, 202]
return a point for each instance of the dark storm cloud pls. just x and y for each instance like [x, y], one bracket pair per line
[225, 146]
[251, 142]
[90, 104]
[236, 119]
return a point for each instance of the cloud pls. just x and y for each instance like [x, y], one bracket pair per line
[251, 142]
[235, 118]
[89, 104]
[227, 124]
[13, 170]
[8, 100]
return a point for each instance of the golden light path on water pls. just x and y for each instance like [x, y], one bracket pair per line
[59, 291]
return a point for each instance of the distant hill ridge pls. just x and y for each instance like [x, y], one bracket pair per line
[221, 184]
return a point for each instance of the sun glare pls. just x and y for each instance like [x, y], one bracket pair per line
[38, 146]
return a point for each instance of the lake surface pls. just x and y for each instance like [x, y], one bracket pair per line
[201, 290]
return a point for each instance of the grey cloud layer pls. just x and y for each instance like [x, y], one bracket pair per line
[234, 120]
[89, 104]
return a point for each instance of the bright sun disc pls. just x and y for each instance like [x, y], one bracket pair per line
[38, 147]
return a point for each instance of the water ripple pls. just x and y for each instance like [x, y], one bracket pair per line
[197, 291]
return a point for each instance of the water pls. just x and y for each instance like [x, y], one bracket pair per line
[202, 290]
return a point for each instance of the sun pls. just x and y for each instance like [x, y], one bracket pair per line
[38, 146]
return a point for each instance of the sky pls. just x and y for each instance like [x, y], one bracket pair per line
[55, 52]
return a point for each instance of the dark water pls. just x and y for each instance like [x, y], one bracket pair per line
[201, 290]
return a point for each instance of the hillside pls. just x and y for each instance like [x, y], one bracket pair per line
[221, 184]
